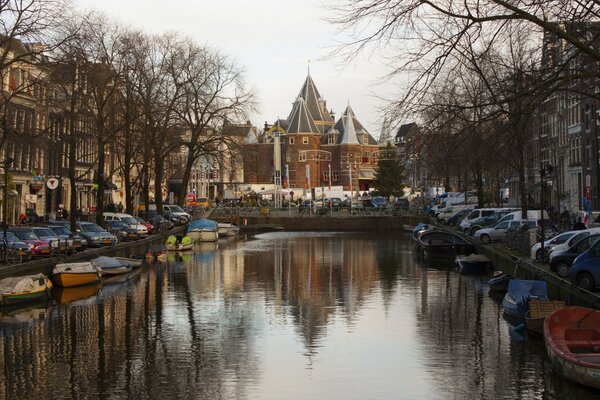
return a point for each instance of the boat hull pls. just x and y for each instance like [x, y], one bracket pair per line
[203, 236]
[572, 338]
[123, 269]
[500, 283]
[25, 297]
[470, 267]
[135, 262]
[179, 247]
[69, 279]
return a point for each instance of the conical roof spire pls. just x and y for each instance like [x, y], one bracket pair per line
[300, 120]
[313, 100]
[349, 127]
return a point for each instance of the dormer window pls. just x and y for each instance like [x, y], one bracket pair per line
[365, 138]
[331, 138]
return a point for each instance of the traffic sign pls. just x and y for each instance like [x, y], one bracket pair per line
[191, 197]
[52, 183]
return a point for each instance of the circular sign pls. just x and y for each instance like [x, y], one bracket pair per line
[52, 183]
[191, 197]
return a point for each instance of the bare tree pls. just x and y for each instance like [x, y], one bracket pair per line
[213, 92]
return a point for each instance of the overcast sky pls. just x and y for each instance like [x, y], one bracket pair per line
[273, 40]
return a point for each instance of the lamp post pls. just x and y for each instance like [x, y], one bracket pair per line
[545, 171]
[5, 164]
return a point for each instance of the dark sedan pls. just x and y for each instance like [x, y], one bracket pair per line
[562, 261]
[64, 233]
[96, 236]
[39, 248]
[22, 248]
[122, 231]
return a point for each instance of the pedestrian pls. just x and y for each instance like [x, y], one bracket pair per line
[578, 226]
[120, 207]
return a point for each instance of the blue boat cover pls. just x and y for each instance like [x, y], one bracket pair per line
[420, 227]
[522, 289]
[104, 262]
[203, 223]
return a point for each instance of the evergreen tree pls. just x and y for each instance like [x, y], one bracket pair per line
[389, 174]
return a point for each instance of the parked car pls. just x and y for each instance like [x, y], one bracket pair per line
[574, 239]
[458, 217]
[585, 272]
[122, 231]
[56, 244]
[465, 224]
[536, 250]
[96, 236]
[176, 219]
[494, 233]
[379, 202]
[39, 248]
[148, 225]
[22, 248]
[63, 232]
[484, 222]
[127, 219]
[562, 261]
[176, 210]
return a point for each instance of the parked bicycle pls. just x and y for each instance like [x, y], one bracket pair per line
[10, 255]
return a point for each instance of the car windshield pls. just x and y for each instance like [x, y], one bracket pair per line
[61, 230]
[140, 220]
[11, 238]
[175, 209]
[117, 224]
[26, 235]
[45, 232]
[91, 228]
[129, 220]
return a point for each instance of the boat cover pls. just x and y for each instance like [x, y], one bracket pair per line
[522, 289]
[475, 258]
[75, 268]
[171, 240]
[187, 241]
[104, 262]
[18, 284]
[202, 224]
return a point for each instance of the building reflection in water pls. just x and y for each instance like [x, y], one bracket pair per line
[216, 323]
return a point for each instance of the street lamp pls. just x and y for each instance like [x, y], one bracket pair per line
[5, 164]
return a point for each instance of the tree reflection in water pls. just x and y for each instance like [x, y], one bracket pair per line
[284, 315]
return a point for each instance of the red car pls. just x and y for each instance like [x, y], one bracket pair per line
[39, 248]
[148, 225]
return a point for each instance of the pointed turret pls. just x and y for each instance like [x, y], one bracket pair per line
[351, 130]
[315, 104]
[300, 120]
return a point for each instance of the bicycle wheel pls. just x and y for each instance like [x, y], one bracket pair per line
[12, 256]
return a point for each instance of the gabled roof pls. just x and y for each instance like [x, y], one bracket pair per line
[350, 129]
[404, 130]
[313, 100]
[300, 120]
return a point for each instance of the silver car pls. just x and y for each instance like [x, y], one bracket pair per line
[495, 232]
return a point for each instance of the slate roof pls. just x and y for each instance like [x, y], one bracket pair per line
[313, 99]
[300, 119]
[351, 131]
[404, 130]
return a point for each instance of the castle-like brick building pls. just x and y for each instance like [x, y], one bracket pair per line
[312, 145]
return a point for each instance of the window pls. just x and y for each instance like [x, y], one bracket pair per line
[302, 157]
[487, 213]
[326, 176]
[335, 175]
[502, 225]
[291, 140]
[331, 138]
[304, 140]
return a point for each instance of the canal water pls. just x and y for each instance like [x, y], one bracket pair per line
[278, 316]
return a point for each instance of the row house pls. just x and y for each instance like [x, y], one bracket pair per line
[312, 146]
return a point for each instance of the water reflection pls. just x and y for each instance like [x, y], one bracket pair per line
[281, 315]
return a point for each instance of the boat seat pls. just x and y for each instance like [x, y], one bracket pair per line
[582, 334]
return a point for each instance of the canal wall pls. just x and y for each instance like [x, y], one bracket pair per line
[124, 249]
[340, 223]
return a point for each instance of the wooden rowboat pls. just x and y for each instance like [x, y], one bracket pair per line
[75, 274]
[572, 337]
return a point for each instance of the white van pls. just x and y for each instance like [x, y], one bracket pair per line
[531, 214]
[128, 219]
[452, 211]
[477, 213]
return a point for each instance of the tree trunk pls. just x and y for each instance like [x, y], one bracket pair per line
[187, 172]
[523, 188]
[158, 177]
[479, 184]
[100, 179]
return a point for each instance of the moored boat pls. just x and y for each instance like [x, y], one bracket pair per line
[226, 229]
[175, 243]
[22, 289]
[66, 295]
[473, 264]
[537, 313]
[135, 262]
[442, 244]
[111, 266]
[203, 230]
[75, 274]
[572, 338]
[520, 291]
